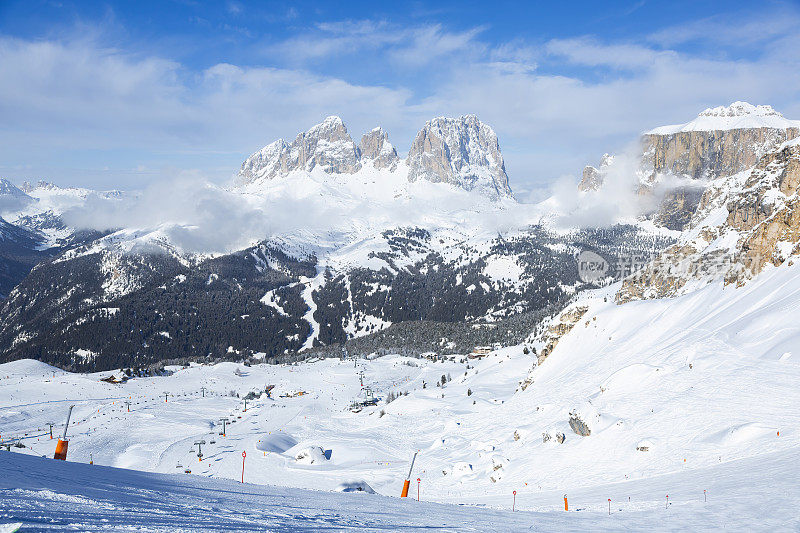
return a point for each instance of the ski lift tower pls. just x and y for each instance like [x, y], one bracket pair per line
[199, 444]
[51, 424]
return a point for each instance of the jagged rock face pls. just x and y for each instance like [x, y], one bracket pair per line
[770, 211]
[376, 147]
[710, 154]
[743, 223]
[579, 426]
[566, 321]
[327, 146]
[677, 207]
[593, 178]
[29, 187]
[460, 151]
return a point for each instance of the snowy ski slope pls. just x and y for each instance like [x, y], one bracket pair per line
[707, 382]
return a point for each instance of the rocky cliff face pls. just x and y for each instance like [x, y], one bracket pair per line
[327, 146]
[719, 142]
[461, 151]
[375, 146]
[593, 177]
[742, 224]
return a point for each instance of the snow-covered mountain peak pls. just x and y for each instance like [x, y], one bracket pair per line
[740, 109]
[8, 188]
[461, 151]
[327, 146]
[738, 115]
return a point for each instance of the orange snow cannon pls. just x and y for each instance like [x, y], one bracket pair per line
[63, 443]
[407, 482]
[61, 450]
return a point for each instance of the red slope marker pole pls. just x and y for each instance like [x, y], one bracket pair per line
[667, 504]
[609, 507]
[418, 480]
[244, 454]
[514, 502]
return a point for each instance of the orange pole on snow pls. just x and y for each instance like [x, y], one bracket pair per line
[566, 505]
[407, 482]
[61, 450]
[63, 443]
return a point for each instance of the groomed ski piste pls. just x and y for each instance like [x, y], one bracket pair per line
[692, 404]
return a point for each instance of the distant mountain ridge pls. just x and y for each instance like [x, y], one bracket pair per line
[463, 152]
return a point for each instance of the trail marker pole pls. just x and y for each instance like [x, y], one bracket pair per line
[566, 505]
[667, 505]
[609, 507]
[514, 502]
[705, 495]
[244, 454]
[418, 480]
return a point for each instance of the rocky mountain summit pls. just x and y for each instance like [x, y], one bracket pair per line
[463, 152]
[376, 147]
[327, 145]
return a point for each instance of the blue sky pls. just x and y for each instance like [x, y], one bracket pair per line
[120, 95]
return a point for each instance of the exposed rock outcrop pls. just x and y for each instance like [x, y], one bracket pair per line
[376, 147]
[461, 151]
[579, 426]
[593, 178]
[563, 325]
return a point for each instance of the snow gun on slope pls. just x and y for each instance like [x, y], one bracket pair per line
[61, 446]
[407, 482]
